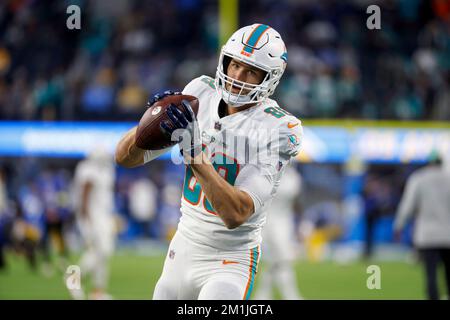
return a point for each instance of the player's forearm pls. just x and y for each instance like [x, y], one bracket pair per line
[127, 153]
[232, 205]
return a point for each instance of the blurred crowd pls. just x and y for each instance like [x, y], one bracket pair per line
[127, 50]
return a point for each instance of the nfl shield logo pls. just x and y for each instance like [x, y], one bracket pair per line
[217, 126]
[171, 254]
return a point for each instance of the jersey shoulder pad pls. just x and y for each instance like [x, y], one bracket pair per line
[289, 128]
[273, 111]
[278, 117]
[199, 85]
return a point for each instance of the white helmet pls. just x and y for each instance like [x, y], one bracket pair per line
[257, 45]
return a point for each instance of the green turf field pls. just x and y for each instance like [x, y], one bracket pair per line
[134, 277]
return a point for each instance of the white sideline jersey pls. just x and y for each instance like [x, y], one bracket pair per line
[279, 233]
[250, 149]
[101, 201]
[289, 190]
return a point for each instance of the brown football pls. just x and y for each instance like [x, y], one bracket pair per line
[149, 135]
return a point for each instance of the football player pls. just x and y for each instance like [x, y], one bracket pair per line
[232, 171]
[94, 194]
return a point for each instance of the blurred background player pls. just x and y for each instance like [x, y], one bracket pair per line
[53, 188]
[427, 199]
[279, 241]
[94, 188]
[143, 195]
[380, 199]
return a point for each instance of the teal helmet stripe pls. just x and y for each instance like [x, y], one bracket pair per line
[252, 41]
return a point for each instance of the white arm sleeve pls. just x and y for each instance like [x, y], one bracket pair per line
[257, 182]
[150, 155]
[408, 204]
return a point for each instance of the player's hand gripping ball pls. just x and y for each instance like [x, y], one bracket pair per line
[182, 126]
[149, 134]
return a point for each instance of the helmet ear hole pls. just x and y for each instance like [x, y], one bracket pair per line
[226, 63]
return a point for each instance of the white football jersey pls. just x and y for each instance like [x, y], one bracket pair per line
[101, 200]
[250, 149]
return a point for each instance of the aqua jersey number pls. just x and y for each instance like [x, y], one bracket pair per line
[227, 167]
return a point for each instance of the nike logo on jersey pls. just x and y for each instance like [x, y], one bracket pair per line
[229, 262]
[292, 125]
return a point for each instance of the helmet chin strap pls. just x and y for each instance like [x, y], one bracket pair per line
[233, 100]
